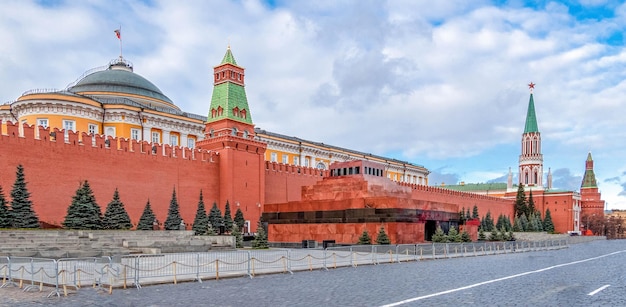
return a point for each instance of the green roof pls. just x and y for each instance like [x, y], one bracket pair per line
[229, 95]
[229, 58]
[589, 179]
[472, 187]
[531, 118]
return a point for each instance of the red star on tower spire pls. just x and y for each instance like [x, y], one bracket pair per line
[531, 86]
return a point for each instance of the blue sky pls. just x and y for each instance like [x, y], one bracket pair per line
[438, 83]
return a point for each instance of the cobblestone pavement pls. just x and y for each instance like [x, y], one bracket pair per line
[547, 278]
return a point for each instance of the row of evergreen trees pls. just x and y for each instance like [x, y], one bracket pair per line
[20, 213]
[381, 239]
[453, 236]
[85, 213]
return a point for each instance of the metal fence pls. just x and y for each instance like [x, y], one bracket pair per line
[137, 270]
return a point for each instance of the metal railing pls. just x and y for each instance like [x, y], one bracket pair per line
[136, 270]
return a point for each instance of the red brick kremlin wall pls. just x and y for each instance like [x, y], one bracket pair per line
[495, 205]
[284, 182]
[54, 170]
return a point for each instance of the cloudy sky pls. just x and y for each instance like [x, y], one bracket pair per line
[442, 84]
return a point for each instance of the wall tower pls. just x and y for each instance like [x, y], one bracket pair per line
[592, 202]
[230, 132]
[531, 158]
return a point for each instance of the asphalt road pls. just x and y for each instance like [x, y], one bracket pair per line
[589, 274]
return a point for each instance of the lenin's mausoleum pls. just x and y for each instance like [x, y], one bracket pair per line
[117, 130]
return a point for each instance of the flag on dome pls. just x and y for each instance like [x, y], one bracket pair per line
[118, 33]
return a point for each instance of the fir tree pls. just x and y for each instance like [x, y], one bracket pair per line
[500, 223]
[439, 236]
[465, 236]
[523, 222]
[495, 235]
[228, 218]
[517, 226]
[84, 212]
[481, 235]
[532, 223]
[475, 212]
[548, 225]
[236, 232]
[5, 213]
[210, 231]
[239, 219]
[201, 221]
[507, 223]
[115, 215]
[382, 237]
[173, 220]
[147, 218]
[504, 235]
[488, 222]
[365, 238]
[453, 235]
[22, 212]
[538, 221]
[260, 239]
[215, 217]
[520, 201]
[531, 204]
[467, 214]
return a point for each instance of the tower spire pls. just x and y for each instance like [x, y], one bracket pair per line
[531, 117]
[531, 159]
[589, 179]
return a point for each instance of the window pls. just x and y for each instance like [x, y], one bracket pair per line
[156, 137]
[296, 160]
[69, 125]
[134, 134]
[42, 122]
[191, 143]
[321, 165]
[307, 161]
[285, 159]
[93, 129]
[274, 157]
[234, 131]
[109, 131]
[245, 134]
[174, 140]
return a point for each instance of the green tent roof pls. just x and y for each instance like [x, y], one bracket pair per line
[531, 117]
[229, 58]
[589, 179]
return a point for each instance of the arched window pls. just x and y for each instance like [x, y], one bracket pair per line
[236, 111]
[526, 177]
[535, 178]
[243, 113]
[220, 111]
[245, 134]
[234, 131]
[320, 165]
[211, 133]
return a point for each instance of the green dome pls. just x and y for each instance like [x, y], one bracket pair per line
[119, 78]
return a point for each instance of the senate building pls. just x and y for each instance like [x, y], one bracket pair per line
[118, 130]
